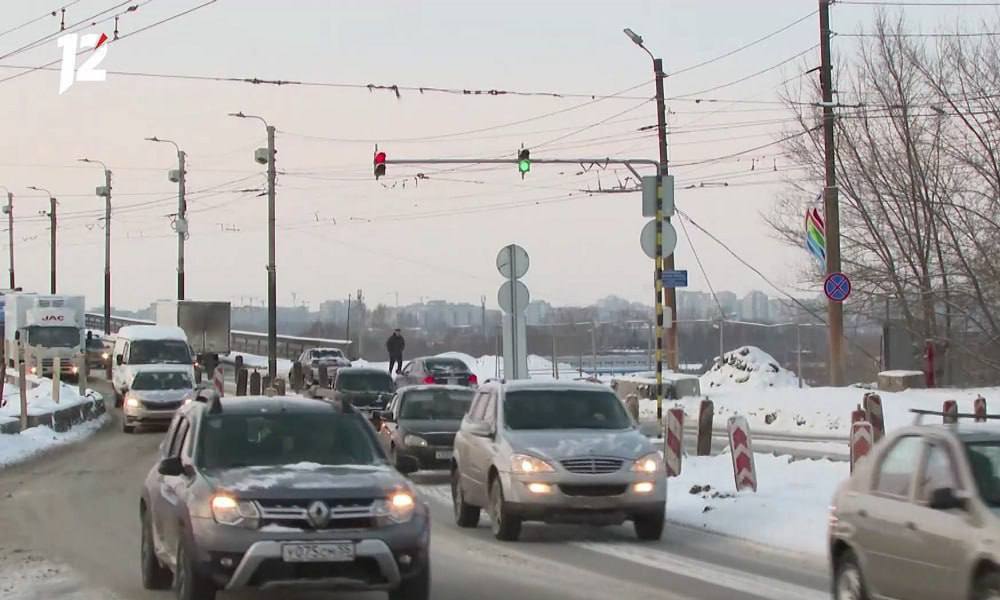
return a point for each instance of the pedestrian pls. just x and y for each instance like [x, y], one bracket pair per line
[395, 345]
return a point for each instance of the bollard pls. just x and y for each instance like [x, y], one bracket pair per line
[980, 409]
[873, 408]
[950, 411]
[219, 381]
[255, 383]
[673, 447]
[239, 362]
[56, 378]
[741, 449]
[197, 374]
[279, 386]
[297, 376]
[862, 440]
[632, 406]
[82, 373]
[858, 414]
[241, 381]
[22, 384]
[706, 416]
[322, 377]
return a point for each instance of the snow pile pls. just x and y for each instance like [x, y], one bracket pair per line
[40, 398]
[485, 367]
[253, 361]
[19, 447]
[799, 491]
[748, 366]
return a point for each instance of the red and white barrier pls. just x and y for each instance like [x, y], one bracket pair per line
[873, 408]
[219, 381]
[950, 410]
[673, 447]
[979, 405]
[741, 449]
[862, 440]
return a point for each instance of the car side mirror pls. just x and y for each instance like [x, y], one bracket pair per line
[385, 415]
[946, 499]
[407, 464]
[119, 360]
[481, 429]
[171, 467]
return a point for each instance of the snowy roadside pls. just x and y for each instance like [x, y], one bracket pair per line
[27, 575]
[18, 447]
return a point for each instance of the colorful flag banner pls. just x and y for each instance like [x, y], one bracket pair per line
[816, 235]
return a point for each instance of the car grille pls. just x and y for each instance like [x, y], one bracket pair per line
[161, 405]
[592, 466]
[274, 569]
[438, 439]
[593, 490]
[344, 513]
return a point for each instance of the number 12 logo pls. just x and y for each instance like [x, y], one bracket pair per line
[88, 70]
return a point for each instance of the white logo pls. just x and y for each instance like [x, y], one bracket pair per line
[319, 515]
[88, 70]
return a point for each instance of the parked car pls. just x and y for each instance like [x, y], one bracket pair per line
[557, 452]
[918, 519]
[314, 359]
[282, 494]
[369, 390]
[156, 392]
[436, 370]
[421, 422]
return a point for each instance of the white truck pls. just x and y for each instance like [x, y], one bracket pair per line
[207, 325]
[48, 326]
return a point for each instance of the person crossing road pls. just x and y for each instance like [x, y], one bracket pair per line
[395, 345]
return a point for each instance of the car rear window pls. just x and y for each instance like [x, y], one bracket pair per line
[446, 365]
[564, 409]
[435, 404]
[364, 382]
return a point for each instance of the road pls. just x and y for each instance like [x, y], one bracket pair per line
[77, 508]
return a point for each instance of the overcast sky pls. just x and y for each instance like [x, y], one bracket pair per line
[437, 237]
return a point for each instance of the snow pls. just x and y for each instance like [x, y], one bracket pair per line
[901, 373]
[40, 398]
[152, 332]
[800, 491]
[749, 367]
[19, 447]
[253, 361]
[26, 575]
[485, 367]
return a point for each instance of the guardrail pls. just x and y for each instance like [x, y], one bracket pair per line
[253, 342]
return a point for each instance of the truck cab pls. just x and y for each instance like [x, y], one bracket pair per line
[49, 327]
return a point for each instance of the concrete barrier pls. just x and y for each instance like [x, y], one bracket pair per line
[741, 449]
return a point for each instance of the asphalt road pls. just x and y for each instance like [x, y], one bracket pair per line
[73, 514]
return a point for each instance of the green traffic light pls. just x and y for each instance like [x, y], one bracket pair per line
[524, 165]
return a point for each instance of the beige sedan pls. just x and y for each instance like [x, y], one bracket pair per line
[920, 518]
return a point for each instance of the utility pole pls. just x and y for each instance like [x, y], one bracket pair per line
[9, 209]
[361, 323]
[831, 200]
[179, 177]
[105, 191]
[347, 333]
[52, 225]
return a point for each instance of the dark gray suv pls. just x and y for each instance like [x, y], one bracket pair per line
[279, 493]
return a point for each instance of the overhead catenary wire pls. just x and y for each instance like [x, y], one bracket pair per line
[42, 17]
[70, 28]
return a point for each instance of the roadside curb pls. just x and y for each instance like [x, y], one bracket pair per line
[62, 419]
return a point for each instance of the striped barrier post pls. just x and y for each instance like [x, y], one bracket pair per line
[674, 441]
[219, 381]
[980, 409]
[873, 408]
[706, 416]
[858, 414]
[950, 410]
[862, 440]
[741, 449]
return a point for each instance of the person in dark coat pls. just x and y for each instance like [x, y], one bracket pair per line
[395, 345]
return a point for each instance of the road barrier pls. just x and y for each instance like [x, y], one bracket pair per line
[873, 408]
[862, 440]
[741, 449]
[255, 384]
[241, 381]
[980, 409]
[706, 416]
[950, 410]
[297, 377]
[632, 406]
[219, 381]
[858, 414]
[674, 441]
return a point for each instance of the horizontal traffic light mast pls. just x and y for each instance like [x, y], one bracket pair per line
[523, 162]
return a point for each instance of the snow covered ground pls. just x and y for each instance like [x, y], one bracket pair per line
[40, 398]
[28, 576]
[18, 447]
[260, 362]
[747, 367]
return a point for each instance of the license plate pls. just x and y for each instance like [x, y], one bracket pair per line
[452, 381]
[443, 454]
[332, 552]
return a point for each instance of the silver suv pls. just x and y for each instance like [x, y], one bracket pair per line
[555, 452]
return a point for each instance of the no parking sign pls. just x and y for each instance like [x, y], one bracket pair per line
[837, 287]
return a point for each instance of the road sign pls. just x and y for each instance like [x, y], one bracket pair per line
[675, 279]
[649, 195]
[513, 300]
[647, 239]
[837, 287]
[512, 261]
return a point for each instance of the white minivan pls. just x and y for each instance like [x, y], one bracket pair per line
[138, 345]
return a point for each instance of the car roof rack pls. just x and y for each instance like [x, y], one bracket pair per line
[921, 413]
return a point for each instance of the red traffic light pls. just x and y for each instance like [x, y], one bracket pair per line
[379, 164]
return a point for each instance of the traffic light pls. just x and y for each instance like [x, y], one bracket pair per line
[379, 164]
[523, 161]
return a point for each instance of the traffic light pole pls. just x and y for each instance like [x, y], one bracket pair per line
[628, 162]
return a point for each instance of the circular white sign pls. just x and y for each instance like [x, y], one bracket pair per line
[513, 299]
[647, 239]
[512, 261]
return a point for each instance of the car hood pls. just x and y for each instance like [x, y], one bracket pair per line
[306, 480]
[562, 444]
[429, 426]
[161, 396]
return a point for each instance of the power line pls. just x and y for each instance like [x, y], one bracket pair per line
[903, 3]
[701, 267]
[38, 42]
[750, 76]
[921, 35]
[45, 15]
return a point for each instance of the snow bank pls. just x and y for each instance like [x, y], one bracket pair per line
[485, 367]
[40, 398]
[748, 367]
[788, 511]
[253, 361]
[19, 447]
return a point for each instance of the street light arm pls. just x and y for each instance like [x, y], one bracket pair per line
[156, 139]
[90, 160]
[240, 115]
[637, 40]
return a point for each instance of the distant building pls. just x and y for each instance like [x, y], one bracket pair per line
[755, 307]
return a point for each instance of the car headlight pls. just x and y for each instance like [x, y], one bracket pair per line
[650, 464]
[414, 440]
[239, 513]
[76, 370]
[523, 463]
[132, 402]
[398, 507]
[105, 356]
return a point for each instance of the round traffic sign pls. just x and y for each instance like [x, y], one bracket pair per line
[837, 287]
[647, 239]
[512, 261]
[513, 299]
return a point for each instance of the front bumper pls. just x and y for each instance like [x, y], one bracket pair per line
[587, 499]
[431, 458]
[140, 414]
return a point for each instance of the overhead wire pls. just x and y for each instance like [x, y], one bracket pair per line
[45, 15]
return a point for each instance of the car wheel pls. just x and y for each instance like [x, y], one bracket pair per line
[154, 575]
[987, 587]
[415, 587]
[466, 515]
[189, 584]
[649, 527]
[506, 527]
[848, 583]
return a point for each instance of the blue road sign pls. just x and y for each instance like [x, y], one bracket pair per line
[675, 279]
[837, 287]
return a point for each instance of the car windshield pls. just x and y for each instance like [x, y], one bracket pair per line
[564, 409]
[146, 352]
[231, 441]
[54, 337]
[446, 405]
[167, 380]
[364, 382]
[984, 459]
[445, 365]
[95, 344]
[326, 354]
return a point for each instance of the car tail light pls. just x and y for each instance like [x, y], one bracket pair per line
[473, 380]
[429, 379]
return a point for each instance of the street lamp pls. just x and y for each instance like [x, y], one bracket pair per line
[105, 191]
[8, 209]
[52, 226]
[180, 225]
[266, 156]
[661, 263]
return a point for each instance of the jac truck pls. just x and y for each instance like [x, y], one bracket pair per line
[207, 325]
[49, 326]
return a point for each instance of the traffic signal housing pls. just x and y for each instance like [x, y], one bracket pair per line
[523, 161]
[379, 164]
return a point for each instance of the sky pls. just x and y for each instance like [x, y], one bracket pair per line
[426, 231]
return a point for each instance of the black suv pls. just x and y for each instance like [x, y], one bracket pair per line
[279, 493]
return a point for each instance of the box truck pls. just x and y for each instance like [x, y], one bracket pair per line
[49, 326]
[207, 325]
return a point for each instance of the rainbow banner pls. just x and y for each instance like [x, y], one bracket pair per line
[816, 235]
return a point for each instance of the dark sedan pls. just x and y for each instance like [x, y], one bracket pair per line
[421, 423]
[369, 390]
[439, 370]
